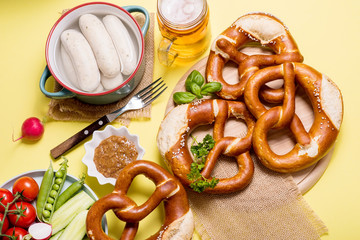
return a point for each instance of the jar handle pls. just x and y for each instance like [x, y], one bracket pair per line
[166, 54]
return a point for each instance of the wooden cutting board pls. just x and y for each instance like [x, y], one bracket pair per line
[280, 142]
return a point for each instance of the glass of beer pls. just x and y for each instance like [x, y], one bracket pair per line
[184, 26]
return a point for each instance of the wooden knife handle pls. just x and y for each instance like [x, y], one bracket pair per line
[78, 137]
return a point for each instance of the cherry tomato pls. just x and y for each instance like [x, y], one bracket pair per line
[17, 232]
[5, 198]
[22, 221]
[28, 186]
[6, 223]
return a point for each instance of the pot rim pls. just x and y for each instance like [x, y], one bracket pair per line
[130, 77]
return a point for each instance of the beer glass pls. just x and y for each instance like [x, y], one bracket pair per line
[185, 30]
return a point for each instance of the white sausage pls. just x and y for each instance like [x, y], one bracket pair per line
[111, 83]
[82, 58]
[101, 44]
[99, 89]
[123, 43]
[68, 67]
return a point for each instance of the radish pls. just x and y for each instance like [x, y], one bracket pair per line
[40, 231]
[32, 129]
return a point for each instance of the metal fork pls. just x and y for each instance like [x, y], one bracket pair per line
[140, 100]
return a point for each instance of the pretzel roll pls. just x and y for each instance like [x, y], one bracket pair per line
[261, 28]
[178, 223]
[178, 124]
[327, 104]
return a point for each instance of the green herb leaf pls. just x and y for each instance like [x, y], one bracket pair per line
[200, 185]
[194, 77]
[200, 152]
[183, 97]
[202, 149]
[210, 88]
[195, 89]
[194, 172]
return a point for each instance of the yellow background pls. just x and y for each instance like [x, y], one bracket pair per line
[327, 33]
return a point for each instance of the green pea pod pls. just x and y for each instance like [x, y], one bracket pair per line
[44, 190]
[58, 183]
[69, 192]
[211, 87]
[194, 77]
[183, 97]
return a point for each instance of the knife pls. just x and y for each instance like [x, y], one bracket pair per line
[140, 100]
[83, 134]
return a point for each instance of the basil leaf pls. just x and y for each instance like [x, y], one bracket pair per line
[195, 89]
[211, 87]
[194, 77]
[197, 78]
[183, 97]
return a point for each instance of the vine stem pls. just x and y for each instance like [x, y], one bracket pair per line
[16, 197]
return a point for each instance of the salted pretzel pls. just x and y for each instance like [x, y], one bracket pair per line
[178, 223]
[327, 104]
[258, 28]
[180, 121]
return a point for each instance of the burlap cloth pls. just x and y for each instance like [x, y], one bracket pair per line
[74, 110]
[271, 207]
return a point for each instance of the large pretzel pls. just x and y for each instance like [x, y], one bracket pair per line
[326, 101]
[180, 121]
[254, 27]
[178, 223]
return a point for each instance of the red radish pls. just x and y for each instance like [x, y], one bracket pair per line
[32, 129]
[40, 231]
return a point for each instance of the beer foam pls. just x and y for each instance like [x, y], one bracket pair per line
[181, 11]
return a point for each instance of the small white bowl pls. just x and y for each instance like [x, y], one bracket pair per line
[98, 136]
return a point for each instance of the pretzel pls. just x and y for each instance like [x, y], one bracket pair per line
[327, 104]
[254, 27]
[178, 223]
[178, 124]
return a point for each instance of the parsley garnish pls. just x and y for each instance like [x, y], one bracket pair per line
[200, 151]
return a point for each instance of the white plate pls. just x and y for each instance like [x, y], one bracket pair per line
[37, 175]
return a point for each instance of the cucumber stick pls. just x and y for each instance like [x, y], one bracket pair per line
[76, 229]
[56, 236]
[63, 216]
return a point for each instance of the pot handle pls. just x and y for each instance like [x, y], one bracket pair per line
[63, 93]
[134, 8]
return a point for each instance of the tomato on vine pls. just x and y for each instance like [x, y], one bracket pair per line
[17, 232]
[6, 223]
[22, 214]
[28, 187]
[5, 198]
